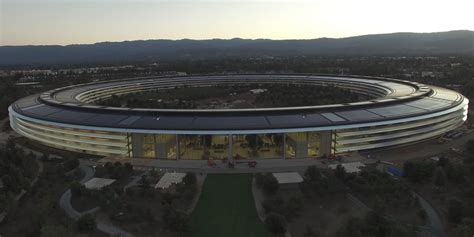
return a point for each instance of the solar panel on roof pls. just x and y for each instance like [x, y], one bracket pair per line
[333, 117]
[250, 122]
[396, 110]
[129, 120]
[298, 119]
[358, 115]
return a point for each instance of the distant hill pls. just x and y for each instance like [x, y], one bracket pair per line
[452, 42]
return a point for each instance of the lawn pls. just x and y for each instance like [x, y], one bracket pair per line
[226, 208]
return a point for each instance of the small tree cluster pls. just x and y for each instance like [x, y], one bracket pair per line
[418, 171]
[267, 182]
[276, 224]
[71, 164]
[277, 204]
[86, 223]
[175, 220]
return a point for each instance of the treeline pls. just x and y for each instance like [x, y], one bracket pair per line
[275, 95]
[17, 170]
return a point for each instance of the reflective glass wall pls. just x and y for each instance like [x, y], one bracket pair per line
[219, 147]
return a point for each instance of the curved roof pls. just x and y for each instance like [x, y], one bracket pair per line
[396, 99]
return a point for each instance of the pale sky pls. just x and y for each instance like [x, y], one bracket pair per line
[38, 22]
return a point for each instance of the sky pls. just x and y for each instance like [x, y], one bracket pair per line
[63, 22]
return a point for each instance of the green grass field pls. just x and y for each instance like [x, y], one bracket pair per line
[226, 208]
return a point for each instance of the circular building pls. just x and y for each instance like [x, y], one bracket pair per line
[397, 112]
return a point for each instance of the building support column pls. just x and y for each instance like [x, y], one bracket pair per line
[284, 146]
[229, 155]
[178, 152]
[325, 143]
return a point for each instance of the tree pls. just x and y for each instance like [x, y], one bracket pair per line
[270, 184]
[418, 171]
[455, 211]
[340, 172]
[309, 232]
[440, 177]
[71, 164]
[175, 220]
[470, 147]
[77, 189]
[55, 231]
[190, 179]
[86, 223]
[312, 173]
[276, 224]
[144, 183]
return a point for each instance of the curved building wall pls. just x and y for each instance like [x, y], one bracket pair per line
[401, 114]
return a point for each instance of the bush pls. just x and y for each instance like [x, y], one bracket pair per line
[86, 223]
[276, 224]
[270, 184]
[175, 220]
[55, 231]
[293, 206]
[440, 177]
[77, 189]
[312, 173]
[259, 178]
[418, 171]
[190, 179]
[275, 205]
[422, 214]
[71, 164]
[455, 211]
[470, 147]
[340, 172]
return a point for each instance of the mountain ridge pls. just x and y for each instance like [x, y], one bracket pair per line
[400, 43]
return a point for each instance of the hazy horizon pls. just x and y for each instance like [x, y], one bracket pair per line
[65, 22]
[125, 40]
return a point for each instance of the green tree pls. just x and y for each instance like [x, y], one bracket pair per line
[340, 172]
[470, 147]
[270, 184]
[276, 224]
[440, 177]
[86, 223]
[55, 231]
[144, 183]
[455, 211]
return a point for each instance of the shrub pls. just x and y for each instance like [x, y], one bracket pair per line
[312, 173]
[419, 171]
[275, 204]
[455, 211]
[175, 220]
[276, 224]
[270, 184]
[259, 178]
[190, 179]
[77, 189]
[340, 172]
[54, 231]
[71, 164]
[440, 177]
[86, 223]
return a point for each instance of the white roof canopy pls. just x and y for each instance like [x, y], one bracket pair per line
[288, 177]
[98, 183]
[170, 178]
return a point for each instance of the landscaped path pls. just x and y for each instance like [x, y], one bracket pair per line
[226, 208]
[102, 225]
[434, 221]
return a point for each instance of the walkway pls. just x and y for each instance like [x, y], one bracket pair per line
[434, 221]
[102, 224]
[270, 165]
